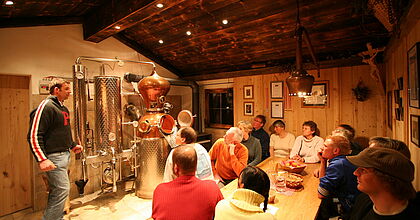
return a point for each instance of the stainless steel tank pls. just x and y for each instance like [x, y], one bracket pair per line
[153, 149]
[108, 122]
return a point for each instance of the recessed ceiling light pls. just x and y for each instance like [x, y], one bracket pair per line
[117, 27]
[225, 21]
[161, 41]
[188, 33]
[9, 3]
[159, 5]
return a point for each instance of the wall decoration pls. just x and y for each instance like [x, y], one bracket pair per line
[248, 92]
[400, 81]
[389, 109]
[277, 90]
[249, 108]
[319, 97]
[414, 129]
[361, 92]
[277, 109]
[413, 76]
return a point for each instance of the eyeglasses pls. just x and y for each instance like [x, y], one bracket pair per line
[257, 121]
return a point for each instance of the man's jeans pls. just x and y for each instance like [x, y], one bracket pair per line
[58, 180]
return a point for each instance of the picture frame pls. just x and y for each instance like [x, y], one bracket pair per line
[400, 81]
[414, 129]
[248, 92]
[249, 108]
[389, 109]
[277, 109]
[276, 90]
[319, 96]
[413, 56]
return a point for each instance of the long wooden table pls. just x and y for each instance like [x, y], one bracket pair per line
[303, 204]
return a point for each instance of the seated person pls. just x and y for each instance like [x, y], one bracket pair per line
[307, 145]
[250, 142]
[186, 197]
[394, 144]
[185, 136]
[253, 189]
[336, 179]
[348, 132]
[385, 177]
[228, 156]
[259, 132]
[281, 142]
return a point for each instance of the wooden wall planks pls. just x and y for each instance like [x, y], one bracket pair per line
[367, 117]
[395, 67]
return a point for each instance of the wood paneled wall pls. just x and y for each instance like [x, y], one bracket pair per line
[396, 66]
[368, 117]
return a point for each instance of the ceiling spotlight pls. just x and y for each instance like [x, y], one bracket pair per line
[188, 33]
[225, 21]
[160, 5]
[161, 41]
[9, 3]
[117, 27]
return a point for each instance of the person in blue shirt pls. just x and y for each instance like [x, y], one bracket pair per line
[336, 180]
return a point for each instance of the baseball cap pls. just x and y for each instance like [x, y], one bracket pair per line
[387, 161]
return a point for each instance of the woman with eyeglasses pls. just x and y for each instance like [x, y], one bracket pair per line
[281, 141]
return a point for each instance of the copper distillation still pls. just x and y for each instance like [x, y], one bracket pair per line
[300, 82]
[103, 146]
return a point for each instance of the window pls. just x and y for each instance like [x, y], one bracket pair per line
[219, 108]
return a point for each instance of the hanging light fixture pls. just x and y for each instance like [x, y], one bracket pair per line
[300, 82]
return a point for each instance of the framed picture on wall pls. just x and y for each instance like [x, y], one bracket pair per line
[414, 129]
[319, 97]
[413, 76]
[249, 108]
[389, 108]
[277, 109]
[248, 92]
[276, 90]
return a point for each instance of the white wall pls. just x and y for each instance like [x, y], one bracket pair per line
[52, 50]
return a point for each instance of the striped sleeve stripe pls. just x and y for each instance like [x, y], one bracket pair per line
[34, 131]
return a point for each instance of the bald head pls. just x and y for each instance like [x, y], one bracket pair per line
[185, 159]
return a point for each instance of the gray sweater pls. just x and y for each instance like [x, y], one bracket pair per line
[254, 150]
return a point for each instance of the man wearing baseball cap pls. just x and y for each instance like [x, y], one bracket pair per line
[386, 176]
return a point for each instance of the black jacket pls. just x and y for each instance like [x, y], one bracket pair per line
[49, 130]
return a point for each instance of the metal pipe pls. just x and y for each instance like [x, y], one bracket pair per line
[98, 59]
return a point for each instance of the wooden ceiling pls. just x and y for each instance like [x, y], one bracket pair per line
[258, 38]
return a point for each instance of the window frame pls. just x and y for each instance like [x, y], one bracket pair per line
[207, 107]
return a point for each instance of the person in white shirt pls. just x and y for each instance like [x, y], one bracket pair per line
[308, 144]
[187, 136]
[281, 142]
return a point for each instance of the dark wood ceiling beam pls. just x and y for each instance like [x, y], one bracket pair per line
[38, 21]
[137, 47]
[276, 69]
[100, 24]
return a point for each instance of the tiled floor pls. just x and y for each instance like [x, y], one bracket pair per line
[119, 205]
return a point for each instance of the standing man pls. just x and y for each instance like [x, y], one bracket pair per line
[50, 139]
[259, 132]
[186, 197]
[228, 156]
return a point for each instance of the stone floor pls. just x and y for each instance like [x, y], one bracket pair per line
[108, 205]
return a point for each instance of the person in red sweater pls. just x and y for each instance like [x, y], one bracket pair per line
[228, 156]
[186, 197]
